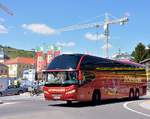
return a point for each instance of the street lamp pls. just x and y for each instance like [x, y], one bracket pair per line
[34, 65]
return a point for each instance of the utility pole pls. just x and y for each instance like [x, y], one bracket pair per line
[119, 51]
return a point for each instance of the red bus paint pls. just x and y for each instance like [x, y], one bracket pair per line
[78, 66]
[99, 79]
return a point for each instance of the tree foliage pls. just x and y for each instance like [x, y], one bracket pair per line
[13, 53]
[141, 52]
[147, 52]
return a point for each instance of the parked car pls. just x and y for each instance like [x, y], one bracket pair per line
[12, 90]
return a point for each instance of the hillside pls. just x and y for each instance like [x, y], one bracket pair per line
[13, 52]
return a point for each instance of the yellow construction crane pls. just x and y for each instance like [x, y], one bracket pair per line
[5, 9]
[105, 25]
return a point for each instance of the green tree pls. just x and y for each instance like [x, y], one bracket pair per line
[139, 53]
[147, 54]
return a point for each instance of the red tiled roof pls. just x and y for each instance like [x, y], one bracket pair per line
[20, 60]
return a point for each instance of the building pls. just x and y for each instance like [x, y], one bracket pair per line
[3, 71]
[122, 56]
[29, 74]
[146, 62]
[1, 55]
[43, 56]
[40, 61]
[18, 65]
[1, 59]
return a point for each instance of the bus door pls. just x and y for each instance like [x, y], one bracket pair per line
[85, 90]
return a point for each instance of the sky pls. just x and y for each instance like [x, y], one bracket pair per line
[36, 22]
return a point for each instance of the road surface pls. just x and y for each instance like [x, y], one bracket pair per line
[26, 107]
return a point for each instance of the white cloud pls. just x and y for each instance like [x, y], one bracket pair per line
[67, 52]
[63, 44]
[39, 28]
[94, 37]
[71, 44]
[147, 47]
[3, 29]
[105, 46]
[127, 14]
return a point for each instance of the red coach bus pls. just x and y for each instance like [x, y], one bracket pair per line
[79, 77]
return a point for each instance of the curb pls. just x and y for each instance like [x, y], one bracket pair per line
[25, 94]
[145, 104]
[28, 95]
[1, 102]
[148, 92]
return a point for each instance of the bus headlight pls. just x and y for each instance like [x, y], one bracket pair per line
[46, 92]
[71, 91]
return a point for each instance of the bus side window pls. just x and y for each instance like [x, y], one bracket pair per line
[88, 76]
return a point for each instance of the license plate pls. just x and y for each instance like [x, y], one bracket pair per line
[56, 96]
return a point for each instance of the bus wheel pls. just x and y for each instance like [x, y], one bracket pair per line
[1, 94]
[137, 94]
[131, 95]
[96, 98]
[69, 102]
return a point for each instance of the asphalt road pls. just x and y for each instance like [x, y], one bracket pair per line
[26, 107]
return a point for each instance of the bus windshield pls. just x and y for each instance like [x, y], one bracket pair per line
[61, 78]
[64, 62]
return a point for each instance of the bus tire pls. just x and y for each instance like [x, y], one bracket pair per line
[131, 94]
[96, 97]
[1, 94]
[137, 94]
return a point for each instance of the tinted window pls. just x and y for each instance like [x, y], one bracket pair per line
[64, 62]
[88, 63]
[88, 75]
[91, 62]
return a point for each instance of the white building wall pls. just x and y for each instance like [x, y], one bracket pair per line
[29, 74]
[13, 70]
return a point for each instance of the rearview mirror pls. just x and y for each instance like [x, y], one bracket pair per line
[80, 76]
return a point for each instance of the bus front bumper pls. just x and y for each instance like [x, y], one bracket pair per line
[70, 95]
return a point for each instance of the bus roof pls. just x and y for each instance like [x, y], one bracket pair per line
[65, 61]
[83, 61]
[93, 62]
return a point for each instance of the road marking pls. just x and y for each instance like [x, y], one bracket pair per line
[125, 105]
[8, 103]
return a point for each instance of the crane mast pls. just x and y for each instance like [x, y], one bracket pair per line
[6, 10]
[105, 25]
